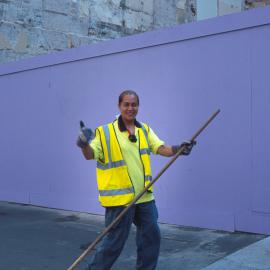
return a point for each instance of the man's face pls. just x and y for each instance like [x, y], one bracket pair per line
[129, 107]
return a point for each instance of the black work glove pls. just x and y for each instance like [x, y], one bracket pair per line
[188, 145]
[85, 135]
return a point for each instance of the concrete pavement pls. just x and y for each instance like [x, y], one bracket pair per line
[253, 257]
[36, 238]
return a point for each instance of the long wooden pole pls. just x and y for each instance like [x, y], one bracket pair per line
[107, 229]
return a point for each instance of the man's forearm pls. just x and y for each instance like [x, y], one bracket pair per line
[88, 152]
[165, 150]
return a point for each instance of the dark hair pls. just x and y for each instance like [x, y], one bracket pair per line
[128, 92]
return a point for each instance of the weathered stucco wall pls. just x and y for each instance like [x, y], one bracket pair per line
[33, 27]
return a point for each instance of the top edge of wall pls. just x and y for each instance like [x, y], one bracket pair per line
[232, 22]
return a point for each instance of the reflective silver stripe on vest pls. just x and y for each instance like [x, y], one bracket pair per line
[110, 165]
[145, 151]
[145, 133]
[107, 137]
[148, 177]
[115, 192]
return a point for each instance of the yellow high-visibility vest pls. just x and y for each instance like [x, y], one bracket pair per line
[114, 184]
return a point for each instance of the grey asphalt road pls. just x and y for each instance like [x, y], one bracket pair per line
[36, 238]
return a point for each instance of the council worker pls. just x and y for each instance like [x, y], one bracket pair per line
[122, 151]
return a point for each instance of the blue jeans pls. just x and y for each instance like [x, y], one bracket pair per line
[144, 216]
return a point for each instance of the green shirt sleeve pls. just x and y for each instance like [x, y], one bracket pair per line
[154, 141]
[97, 147]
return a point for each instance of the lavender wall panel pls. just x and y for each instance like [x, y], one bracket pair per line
[255, 209]
[182, 75]
[260, 130]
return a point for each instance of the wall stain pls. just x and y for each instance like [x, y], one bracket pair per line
[67, 218]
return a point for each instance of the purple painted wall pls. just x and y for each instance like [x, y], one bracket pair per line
[182, 75]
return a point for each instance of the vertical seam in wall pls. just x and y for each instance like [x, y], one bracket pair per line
[251, 119]
[234, 221]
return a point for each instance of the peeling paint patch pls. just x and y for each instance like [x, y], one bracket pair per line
[21, 45]
[4, 43]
